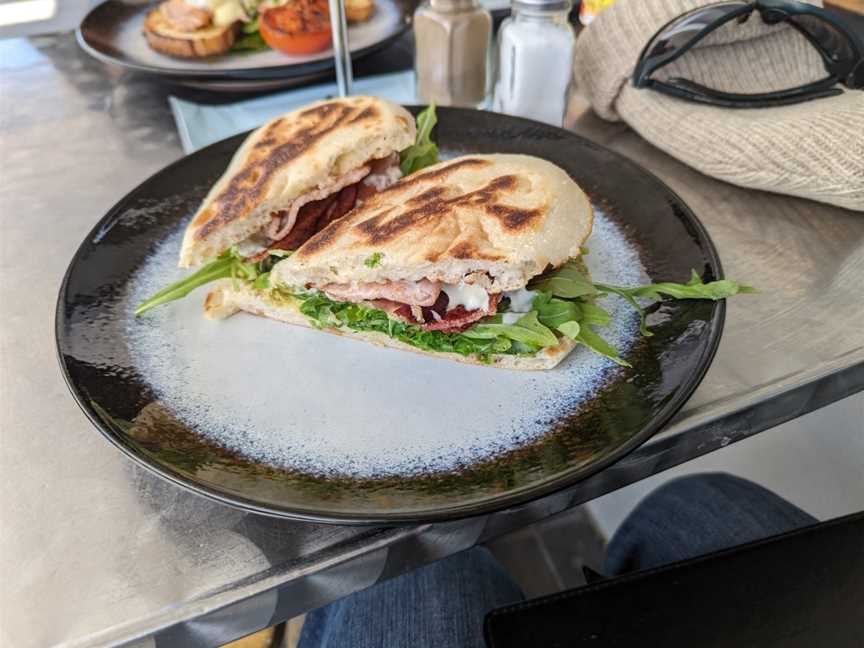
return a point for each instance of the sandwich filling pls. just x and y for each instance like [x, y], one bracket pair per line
[462, 318]
[311, 212]
[430, 305]
[556, 308]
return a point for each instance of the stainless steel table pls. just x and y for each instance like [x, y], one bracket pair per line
[95, 551]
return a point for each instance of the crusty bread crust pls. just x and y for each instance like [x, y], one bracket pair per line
[209, 41]
[289, 156]
[227, 299]
[508, 216]
[359, 10]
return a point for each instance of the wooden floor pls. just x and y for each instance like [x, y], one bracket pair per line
[286, 635]
[856, 6]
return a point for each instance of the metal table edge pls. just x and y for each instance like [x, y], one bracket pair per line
[661, 454]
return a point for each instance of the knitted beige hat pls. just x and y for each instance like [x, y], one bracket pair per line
[813, 149]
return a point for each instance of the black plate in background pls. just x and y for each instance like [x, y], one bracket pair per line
[624, 414]
[100, 35]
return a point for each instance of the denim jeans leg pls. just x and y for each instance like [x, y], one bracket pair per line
[442, 604]
[695, 515]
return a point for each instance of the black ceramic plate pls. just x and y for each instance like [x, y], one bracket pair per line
[112, 33]
[96, 337]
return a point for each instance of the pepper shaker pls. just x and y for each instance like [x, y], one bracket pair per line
[534, 61]
[452, 43]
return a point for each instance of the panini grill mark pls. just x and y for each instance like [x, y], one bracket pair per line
[268, 137]
[247, 186]
[467, 250]
[437, 174]
[512, 218]
[426, 196]
[369, 112]
[428, 207]
[502, 182]
[378, 231]
[323, 238]
[443, 172]
[271, 129]
[320, 111]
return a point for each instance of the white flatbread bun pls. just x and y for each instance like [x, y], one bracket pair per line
[291, 155]
[510, 216]
[227, 299]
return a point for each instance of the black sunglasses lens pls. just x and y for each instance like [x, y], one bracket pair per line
[835, 45]
[681, 32]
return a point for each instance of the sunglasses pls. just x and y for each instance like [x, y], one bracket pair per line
[841, 52]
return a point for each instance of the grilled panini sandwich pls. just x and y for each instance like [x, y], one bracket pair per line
[429, 263]
[475, 259]
[296, 174]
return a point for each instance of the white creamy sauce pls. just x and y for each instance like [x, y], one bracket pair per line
[228, 13]
[384, 179]
[510, 318]
[470, 296]
[224, 12]
[522, 300]
[250, 247]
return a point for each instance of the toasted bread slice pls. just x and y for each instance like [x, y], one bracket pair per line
[208, 41]
[359, 10]
[503, 215]
[294, 154]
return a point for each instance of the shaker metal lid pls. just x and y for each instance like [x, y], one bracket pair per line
[455, 5]
[542, 5]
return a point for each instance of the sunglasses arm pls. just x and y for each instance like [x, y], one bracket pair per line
[685, 89]
[647, 65]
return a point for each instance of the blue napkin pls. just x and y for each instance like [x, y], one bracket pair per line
[200, 124]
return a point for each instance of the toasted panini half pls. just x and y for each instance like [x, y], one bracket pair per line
[507, 216]
[299, 157]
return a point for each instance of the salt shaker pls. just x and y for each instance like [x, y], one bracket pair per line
[452, 43]
[534, 61]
